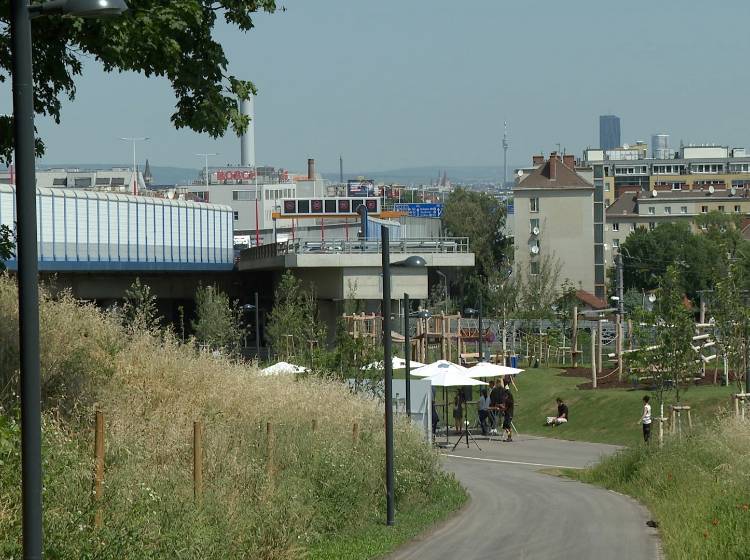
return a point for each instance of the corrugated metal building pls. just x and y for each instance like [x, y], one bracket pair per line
[87, 230]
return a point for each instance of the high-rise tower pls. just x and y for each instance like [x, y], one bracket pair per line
[609, 132]
[506, 145]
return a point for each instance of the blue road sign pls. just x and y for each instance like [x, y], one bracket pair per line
[420, 210]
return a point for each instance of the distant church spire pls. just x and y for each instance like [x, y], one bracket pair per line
[147, 176]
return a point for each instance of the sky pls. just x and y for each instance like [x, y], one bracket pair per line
[391, 84]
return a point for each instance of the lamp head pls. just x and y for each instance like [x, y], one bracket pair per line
[421, 314]
[80, 8]
[413, 261]
[471, 311]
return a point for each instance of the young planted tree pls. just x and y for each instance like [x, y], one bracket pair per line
[293, 327]
[217, 324]
[6, 245]
[732, 317]
[665, 339]
[139, 310]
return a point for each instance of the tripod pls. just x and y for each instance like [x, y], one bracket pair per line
[467, 431]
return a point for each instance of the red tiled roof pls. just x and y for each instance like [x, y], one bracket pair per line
[564, 177]
[590, 299]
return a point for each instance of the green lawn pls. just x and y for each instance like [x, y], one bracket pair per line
[600, 415]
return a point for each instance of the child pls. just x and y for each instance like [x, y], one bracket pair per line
[458, 411]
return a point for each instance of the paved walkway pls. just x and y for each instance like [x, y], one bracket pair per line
[518, 513]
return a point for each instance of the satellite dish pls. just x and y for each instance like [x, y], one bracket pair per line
[654, 193]
[535, 249]
[535, 230]
[170, 194]
[652, 298]
[519, 172]
[711, 189]
[733, 190]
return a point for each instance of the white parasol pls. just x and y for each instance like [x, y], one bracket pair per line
[486, 369]
[283, 368]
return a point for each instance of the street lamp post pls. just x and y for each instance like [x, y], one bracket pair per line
[133, 140]
[413, 261]
[478, 312]
[27, 251]
[424, 314]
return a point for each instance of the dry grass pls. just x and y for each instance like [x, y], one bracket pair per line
[151, 389]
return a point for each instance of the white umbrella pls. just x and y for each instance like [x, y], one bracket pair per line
[440, 366]
[486, 369]
[398, 363]
[283, 368]
[447, 374]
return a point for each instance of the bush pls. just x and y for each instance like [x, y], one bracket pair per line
[151, 389]
[696, 487]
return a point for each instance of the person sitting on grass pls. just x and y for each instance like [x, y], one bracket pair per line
[562, 414]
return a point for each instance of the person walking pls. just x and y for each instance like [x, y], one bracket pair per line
[496, 401]
[458, 411]
[646, 419]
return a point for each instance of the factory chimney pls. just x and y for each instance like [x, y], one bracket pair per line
[310, 169]
[247, 140]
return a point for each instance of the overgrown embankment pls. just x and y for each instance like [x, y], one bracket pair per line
[151, 388]
[697, 488]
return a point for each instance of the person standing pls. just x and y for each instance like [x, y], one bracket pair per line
[646, 419]
[508, 403]
[496, 401]
[458, 411]
[484, 410]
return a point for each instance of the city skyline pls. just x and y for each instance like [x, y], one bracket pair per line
[391, 86]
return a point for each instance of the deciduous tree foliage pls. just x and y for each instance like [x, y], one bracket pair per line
[166, 38]
[6, 245]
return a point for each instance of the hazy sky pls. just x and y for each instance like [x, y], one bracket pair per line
[394, 83]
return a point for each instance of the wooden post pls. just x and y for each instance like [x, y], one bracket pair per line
[593, 358]
[99, 466]
[270, 470]
[661, 424]
[355, 433]
[736, 406]
[630, 334]
[314, 424]
[198, 460]
[599, 330]
[574, 340]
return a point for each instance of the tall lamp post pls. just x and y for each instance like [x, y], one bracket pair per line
[413, 261]
[256, 308]
[28, 266]
[422, 314]
[206, 155]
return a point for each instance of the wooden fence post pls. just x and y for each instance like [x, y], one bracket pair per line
[198, 460]
[99, 466]
[593, 358]
[314, 424]
[269, 453]
[574, 341]
[355, 433]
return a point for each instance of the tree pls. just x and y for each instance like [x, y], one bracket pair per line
[156, 38]
[481, 218]
[6, 245]
[217, 322]
[293, 322]
[538, 291]
[665, 338]
[648, 253]
[139, 309]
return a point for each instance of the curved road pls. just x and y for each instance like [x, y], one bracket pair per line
[517, 512]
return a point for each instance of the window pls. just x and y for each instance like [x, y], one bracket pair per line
[615, 226]
[534, 267]
[721, 208]
[668, 210]
[632, 227]
[102, 181]
[60, 182]
[533, 223]
[615, 243]
[652, 225]
[737, 208]
[242, 195]
[118, 181]
[534, 204]
[651, 210]
[704, 209]
[236, 215]
[683, 209]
